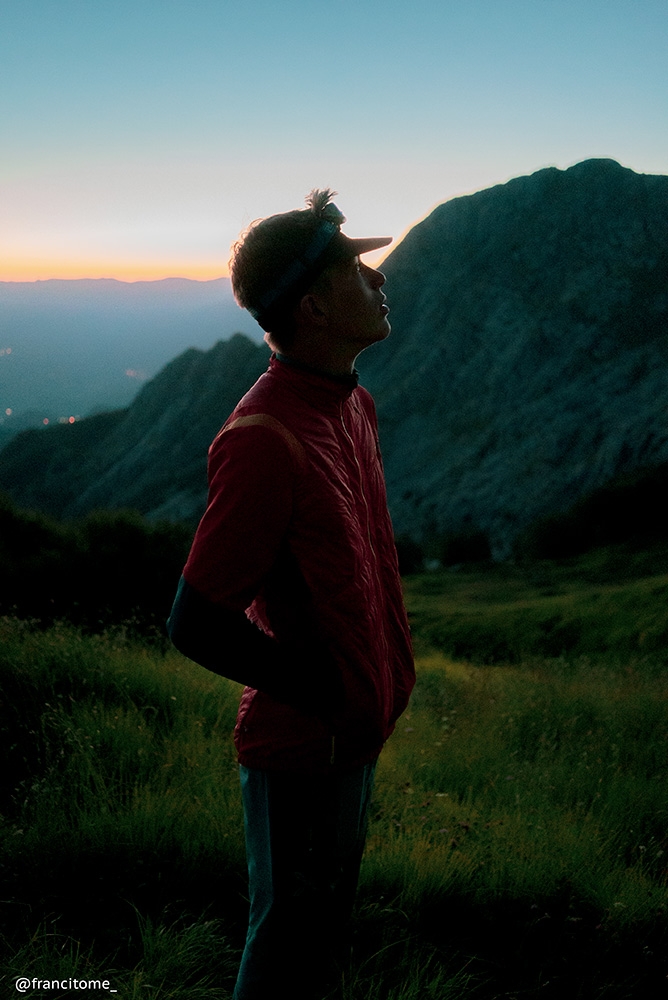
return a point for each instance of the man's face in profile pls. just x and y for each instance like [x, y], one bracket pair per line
[349, 293]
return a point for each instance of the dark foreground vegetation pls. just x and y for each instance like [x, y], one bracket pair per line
[519, 837]
[109, 568]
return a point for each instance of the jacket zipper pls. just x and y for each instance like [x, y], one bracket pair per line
[366, 507]
[359, 469]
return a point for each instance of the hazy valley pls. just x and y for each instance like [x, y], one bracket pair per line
[72, 348]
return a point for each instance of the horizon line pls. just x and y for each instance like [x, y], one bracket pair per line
[126, 273]
[31, 272]
[108, 277]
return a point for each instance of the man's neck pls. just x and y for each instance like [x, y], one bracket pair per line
[344, 376]
[325, 363]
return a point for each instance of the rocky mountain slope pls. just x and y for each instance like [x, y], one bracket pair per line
[528, 363]
[528, 366]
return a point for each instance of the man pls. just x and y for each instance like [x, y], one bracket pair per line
[292, 588]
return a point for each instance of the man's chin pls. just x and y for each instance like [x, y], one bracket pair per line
[378, 339]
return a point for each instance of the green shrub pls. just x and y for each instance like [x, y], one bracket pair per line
[111, 568]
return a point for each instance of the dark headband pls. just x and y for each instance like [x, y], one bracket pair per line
[306, 265]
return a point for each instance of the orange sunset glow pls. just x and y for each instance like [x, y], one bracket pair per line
[128, 154]
[44, 269]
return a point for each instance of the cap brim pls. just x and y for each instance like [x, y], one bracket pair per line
[364, 245]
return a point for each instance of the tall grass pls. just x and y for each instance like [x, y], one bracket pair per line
[180, 962]
[590, 607]
[121, 796]
[518, 843]
[503, 781]
[114, 745]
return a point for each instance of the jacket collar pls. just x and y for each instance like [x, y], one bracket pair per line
[319, 388]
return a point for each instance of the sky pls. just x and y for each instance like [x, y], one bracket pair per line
[139, 137]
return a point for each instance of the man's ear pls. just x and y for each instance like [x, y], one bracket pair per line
[310, 308]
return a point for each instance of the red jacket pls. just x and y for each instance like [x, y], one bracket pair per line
[297, 534]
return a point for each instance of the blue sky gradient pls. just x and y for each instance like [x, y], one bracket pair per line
[139, 138]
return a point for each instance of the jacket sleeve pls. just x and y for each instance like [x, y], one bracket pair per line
[252, 477]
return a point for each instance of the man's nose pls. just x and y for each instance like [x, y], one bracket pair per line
[377, 278]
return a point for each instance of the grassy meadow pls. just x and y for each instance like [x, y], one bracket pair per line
[518, 845]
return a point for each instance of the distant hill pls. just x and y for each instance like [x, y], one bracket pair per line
[527, 367]
[75, 347]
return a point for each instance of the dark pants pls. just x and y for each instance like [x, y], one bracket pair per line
[304, 842]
